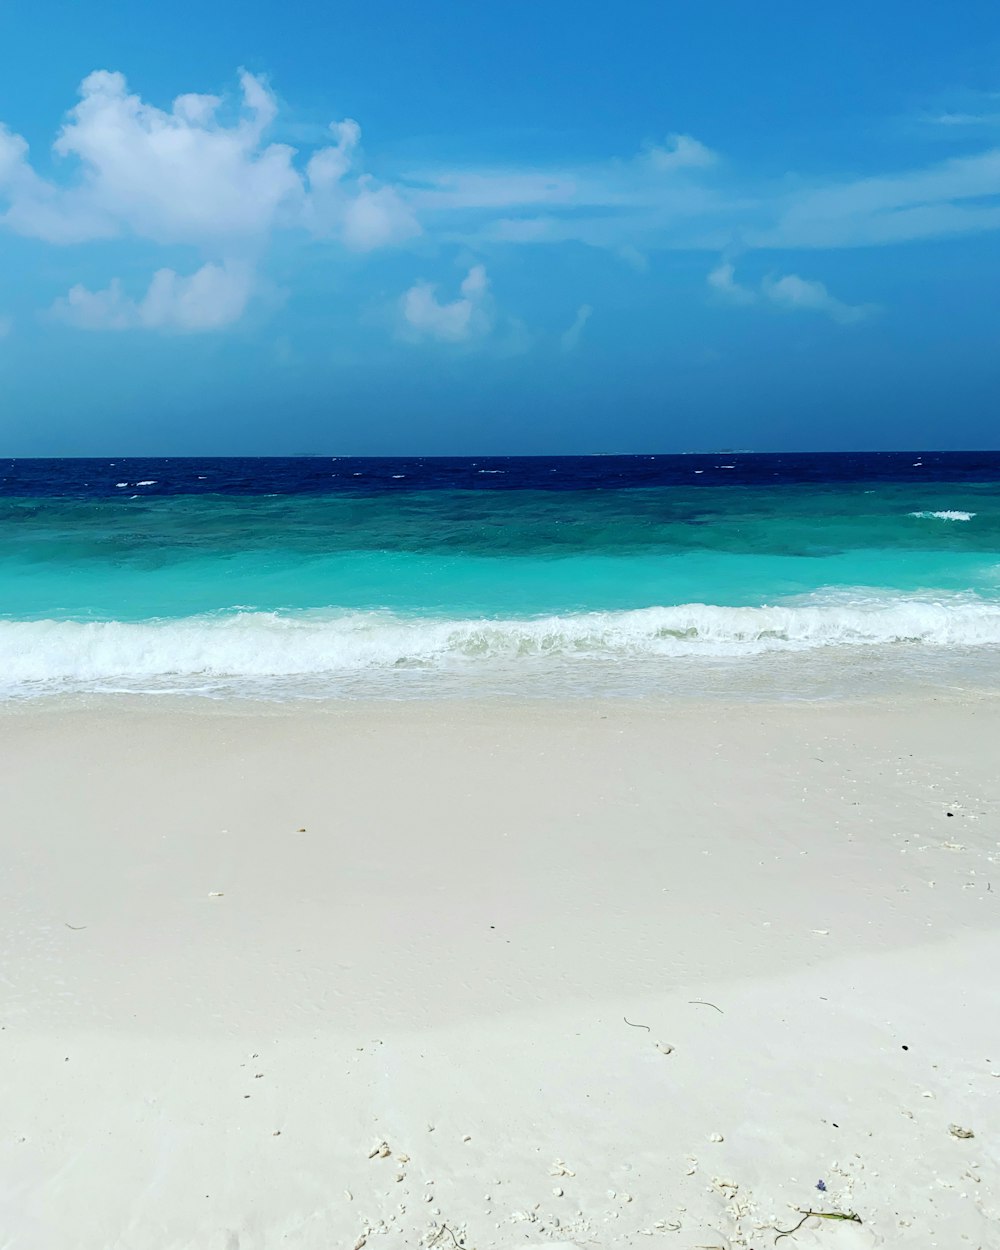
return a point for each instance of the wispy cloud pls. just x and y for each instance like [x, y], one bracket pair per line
[723, 280]
[681, 152]
[789, 292]
[211, 298]
[950, 197]
[797, 293]
[964, 109]
[966, 119]
[569, 340]
[6, 325]
[687, 197]
[655, 197]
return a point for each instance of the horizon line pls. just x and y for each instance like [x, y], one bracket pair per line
[581, 455]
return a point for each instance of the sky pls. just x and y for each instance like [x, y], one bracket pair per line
[383, 228]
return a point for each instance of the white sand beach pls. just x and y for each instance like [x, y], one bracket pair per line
[360, 975]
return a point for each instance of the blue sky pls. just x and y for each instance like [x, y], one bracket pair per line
[450, 228]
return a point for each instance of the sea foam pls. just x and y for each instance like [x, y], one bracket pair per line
[202, 651]
[949, 514]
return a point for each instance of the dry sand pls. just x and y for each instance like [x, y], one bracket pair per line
[242, 950]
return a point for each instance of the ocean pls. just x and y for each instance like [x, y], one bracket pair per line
[793, 575]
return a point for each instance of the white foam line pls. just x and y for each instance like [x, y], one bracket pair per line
[273, 645]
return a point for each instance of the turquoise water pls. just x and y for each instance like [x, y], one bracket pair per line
[518, 552]
[209, 592]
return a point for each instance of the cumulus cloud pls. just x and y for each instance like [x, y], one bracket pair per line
[569, 340]
[364, 214]
[211, 298]
[190, 175]
[377, 217]
[467, 317]
[201, 173]
[173, 177]
[790, 292]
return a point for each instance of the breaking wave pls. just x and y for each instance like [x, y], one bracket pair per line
[267, 650]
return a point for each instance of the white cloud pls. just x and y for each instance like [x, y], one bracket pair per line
[633, 258]
[966, 119]
[467, 317]
[680, 196]
[723, 280]
[205, 173]
[967, 108]
[681, 152]
[489, 189]
[187, 175]
[173, 177]
[364, 215]
[952, 197]
[569, 340]
[201, 174]
[327, 166]
[794, 292]
[635, 203]
[211, 298]
[377, 217]
[790, 292]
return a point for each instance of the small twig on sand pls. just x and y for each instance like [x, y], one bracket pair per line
[850, 1216]
[637, 1026]
[75, 927]
[446, 1229]
[700, 1002]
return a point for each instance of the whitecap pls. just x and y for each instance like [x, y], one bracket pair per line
[948, 514]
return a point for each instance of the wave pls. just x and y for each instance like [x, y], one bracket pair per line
[224, 651]
[948, 514]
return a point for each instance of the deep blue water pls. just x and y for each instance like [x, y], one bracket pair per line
[92, 478]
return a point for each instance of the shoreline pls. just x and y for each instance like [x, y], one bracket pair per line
[891, 692]
[425, 924]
